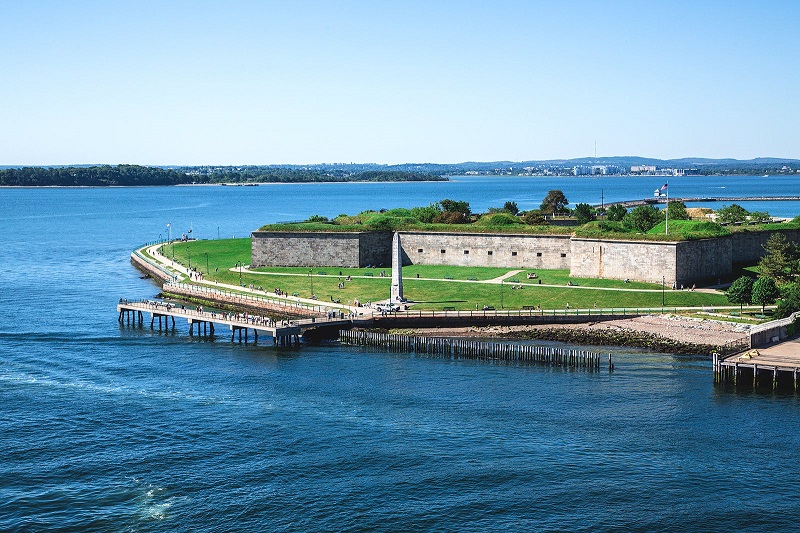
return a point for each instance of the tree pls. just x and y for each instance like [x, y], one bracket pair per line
[782, 260]
[511, 207]
[790, 301]
[732, 214]
[677, 211]
[455, 206]
[765, 292]
[616, 213]
[643, 218]
[583, 213]
[741, 291]
[555, 202]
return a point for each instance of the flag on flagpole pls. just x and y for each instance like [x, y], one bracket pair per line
[664, 187]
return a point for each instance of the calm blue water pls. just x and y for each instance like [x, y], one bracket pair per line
[111, 428]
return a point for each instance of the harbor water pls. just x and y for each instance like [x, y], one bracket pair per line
[107, 427]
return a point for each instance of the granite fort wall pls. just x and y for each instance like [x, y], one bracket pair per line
[636, 260]
[485, 249]
[748, 246]
[345, 249]
[683, 262]
[703, 259]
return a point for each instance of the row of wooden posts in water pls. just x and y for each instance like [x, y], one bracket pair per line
[472, 349]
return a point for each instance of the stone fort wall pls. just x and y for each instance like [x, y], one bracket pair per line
[486, 250]
[682, 262]
[344, 249]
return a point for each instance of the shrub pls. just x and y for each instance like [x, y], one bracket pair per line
[451, 217]
[616, 213]
[426, 214]
[317, 218]
[534, 218]
[382, 222]
[643, 218]
[498, 219]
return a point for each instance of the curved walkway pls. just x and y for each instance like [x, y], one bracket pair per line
[164, 261]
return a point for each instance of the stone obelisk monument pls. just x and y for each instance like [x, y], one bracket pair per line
[397, 269]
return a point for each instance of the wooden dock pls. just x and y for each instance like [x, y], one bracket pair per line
[778, 365]
[282, 332]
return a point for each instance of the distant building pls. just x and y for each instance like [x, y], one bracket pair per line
[642, 169]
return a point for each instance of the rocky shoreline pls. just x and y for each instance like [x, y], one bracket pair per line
[665, 333]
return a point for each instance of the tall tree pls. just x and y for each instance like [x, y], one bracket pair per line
[741, 291]
[511, 207]
[782, 260]
[555, 202]
[583, 213]
[677, 211]
[765, 292]
[616, 213]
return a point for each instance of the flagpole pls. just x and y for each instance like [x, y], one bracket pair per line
[666, 210]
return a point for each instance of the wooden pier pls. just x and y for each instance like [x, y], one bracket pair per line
[776, 366]
[282, 332]
[471, 349]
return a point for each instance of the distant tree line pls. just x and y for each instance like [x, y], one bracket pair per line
[97, 176]
[135, 175]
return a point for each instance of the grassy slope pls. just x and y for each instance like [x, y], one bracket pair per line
[223, 255]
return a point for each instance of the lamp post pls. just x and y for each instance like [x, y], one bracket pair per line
[662, 291]
[208, 270]
[189, 256]
[239, 264]
[311, 277]
[501, 294]
[169, 227]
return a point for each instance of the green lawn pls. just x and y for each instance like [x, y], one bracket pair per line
[224, 254]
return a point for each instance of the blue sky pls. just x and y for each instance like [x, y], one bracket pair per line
[262, 82]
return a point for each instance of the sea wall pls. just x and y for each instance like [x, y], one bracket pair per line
[331, 249]
[486, 250]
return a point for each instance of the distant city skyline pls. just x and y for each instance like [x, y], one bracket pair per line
[251, 82]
